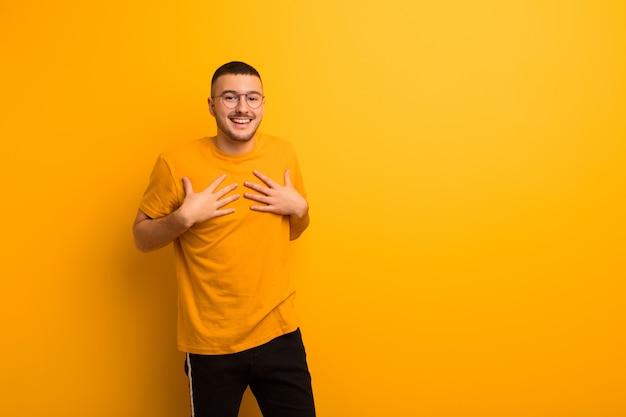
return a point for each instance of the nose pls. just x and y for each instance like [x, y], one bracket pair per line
[242, 104]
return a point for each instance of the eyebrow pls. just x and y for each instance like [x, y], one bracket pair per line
[237, 92]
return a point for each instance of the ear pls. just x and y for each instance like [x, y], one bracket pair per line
[211, 106]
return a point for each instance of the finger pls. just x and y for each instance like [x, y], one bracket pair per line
[219, 213]
[266, 209]
[287, 178]
[216, 183]
[267, 180]
[227, 200]
[187, 186]
[257, 197]
[221, 193]
[257, 187]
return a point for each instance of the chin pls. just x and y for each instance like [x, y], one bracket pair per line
[241, 138]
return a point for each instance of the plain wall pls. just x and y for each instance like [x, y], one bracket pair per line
[464, 162]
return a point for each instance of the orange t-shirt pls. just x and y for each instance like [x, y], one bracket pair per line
[234, 287]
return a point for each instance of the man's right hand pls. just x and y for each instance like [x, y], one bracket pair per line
[151, 234]
[206, 204]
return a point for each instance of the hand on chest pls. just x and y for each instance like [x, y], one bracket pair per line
[249, 184]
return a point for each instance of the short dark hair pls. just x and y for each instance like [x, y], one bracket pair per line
[235, 68]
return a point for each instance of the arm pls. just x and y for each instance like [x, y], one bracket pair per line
[151, 234]
[297, 225]
[283, 200]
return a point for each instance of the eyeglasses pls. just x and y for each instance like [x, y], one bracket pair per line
[231, 99]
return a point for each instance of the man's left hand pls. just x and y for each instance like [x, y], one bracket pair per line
[278, 199]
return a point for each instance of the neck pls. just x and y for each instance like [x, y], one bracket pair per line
[233, 147]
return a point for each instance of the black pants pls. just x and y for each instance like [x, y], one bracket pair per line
[276, 372]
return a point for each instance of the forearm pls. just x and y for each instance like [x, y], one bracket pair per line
[297, 225]
[151, 234]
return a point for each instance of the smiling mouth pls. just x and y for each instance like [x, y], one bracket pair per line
[240, 120]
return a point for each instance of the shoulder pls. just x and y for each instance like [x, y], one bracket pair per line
[275, 143]
[184, 149]
[186, 153]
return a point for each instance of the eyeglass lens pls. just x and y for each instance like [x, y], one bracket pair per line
[231, 100]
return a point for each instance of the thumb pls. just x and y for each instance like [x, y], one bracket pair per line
[187, 186]
[287, 178]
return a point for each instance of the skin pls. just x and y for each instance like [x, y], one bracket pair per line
[236, 138]
[233, 138]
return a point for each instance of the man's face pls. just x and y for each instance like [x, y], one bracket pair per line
[238, 124]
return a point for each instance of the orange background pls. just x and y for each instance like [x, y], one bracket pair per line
[465, 163]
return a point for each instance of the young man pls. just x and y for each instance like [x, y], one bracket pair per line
[236, 317]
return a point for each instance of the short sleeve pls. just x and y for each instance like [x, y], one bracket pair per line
[161, 195]
[296, 177]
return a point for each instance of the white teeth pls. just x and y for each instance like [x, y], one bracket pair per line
[241, 121]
